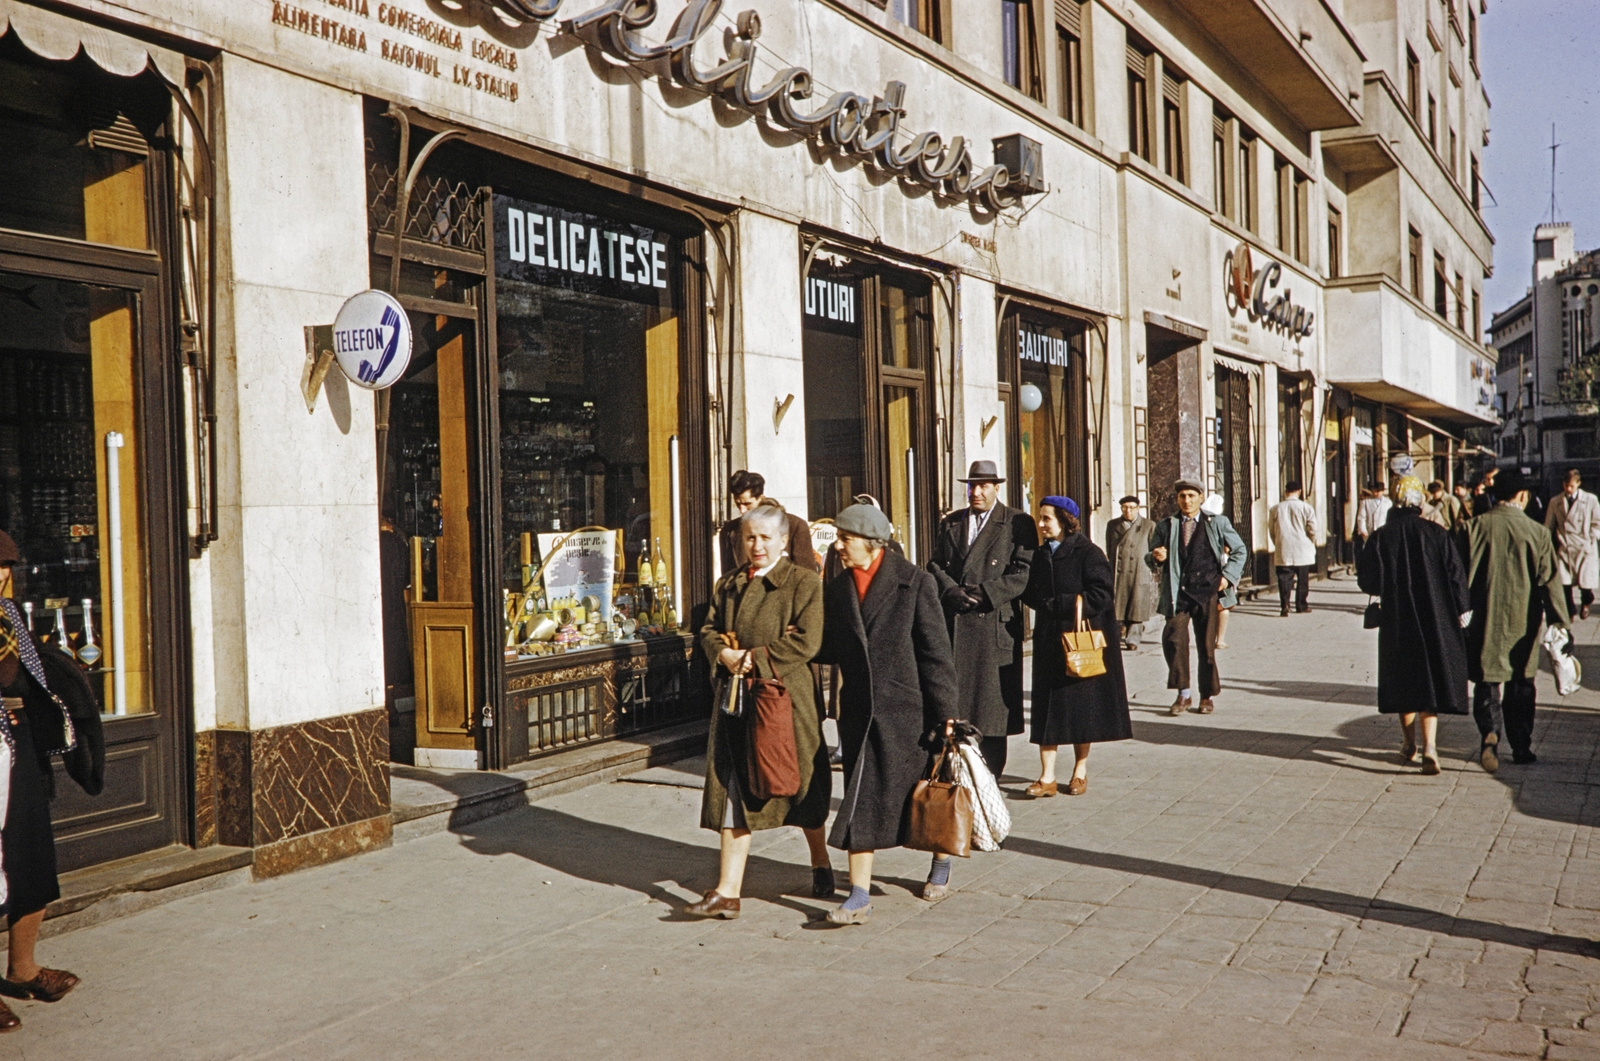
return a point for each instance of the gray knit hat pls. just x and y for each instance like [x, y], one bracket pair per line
[865, 521]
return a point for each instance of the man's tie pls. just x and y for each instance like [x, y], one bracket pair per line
[1188, 530]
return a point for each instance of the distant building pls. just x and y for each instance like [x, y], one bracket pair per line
[1535, 339]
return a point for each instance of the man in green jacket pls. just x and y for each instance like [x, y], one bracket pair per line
[1516, 583]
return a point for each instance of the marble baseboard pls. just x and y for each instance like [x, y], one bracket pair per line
[234, 796]
[314, 776]
[327, 845]
[205, 788]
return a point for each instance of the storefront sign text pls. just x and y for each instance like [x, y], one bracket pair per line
[1249, 289]
[581, 252]
[1043, 349]
[832, 305]
[372, 339]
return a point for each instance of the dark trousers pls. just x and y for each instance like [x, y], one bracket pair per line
[1511, 712]
[994, 754]
[1175, 644]
[1585, 597]
[1299, 578]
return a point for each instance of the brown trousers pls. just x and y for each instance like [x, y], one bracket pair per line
[1175, 645]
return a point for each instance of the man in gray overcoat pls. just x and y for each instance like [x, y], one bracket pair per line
[980, 559]
[1127, 540]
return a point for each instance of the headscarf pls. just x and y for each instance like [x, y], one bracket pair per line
[1407, 491]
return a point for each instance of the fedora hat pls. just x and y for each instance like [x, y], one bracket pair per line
[982, 472]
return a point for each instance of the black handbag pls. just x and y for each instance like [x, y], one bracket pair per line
[1372, 618]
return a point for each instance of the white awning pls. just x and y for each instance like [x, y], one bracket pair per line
[52, 36]
[1249, 368]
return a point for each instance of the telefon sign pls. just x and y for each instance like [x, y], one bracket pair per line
[372, 339]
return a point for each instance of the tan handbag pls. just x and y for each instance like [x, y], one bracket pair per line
[1084, 647]
[941, 810]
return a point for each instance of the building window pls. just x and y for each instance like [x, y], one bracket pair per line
[1441, 297]
[1413, 83]
[1138, 99]
[1414, 261]
[1172, 153]
[1069, 59]
[1291, 202]
[920, 15]
[1473, 176]
[1433, 122]
[1461, 301]
[1544, 249]
[1219, 165]
[1020, 48]
[1453, 169]
[1247, 184]
[1477, 317]
[1335, 243]
[1472, 36]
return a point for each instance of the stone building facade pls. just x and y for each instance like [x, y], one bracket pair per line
[853, 247]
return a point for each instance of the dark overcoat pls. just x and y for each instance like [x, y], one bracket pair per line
[780, 612]
[1067, 709]
[1414, 569]
[987, 640]
[899, 685]
[1126, 543]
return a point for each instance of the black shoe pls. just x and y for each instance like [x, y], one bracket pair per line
[822, 886]
[1524, 758]
[1283, 612]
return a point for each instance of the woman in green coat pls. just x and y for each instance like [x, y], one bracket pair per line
[772, 611]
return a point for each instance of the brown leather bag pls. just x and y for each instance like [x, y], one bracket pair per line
[941, 811]
[773, 759]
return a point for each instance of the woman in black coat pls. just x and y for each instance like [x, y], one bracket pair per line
[1067, 709]
[883, 626]
[1411, 565]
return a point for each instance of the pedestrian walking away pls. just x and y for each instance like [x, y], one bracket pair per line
[980, 562]
[1196, 557]
[749, 490]
[1483, 494]
[1292, 525]
[765, 620]
[1371, 513]
[1573, 517]
[1134, 600]
[1069, 570]
[885, 630]
[1515, 583]
[1443, 508]
[1414, 569]
[48, 709]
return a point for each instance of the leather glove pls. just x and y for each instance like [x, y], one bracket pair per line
[975, 598]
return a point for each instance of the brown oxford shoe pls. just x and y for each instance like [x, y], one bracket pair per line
[1207, 706]
[1179, 706]
[1077, 786]
[714, 904]
[1042, 790]
[51, 985]
[9, 1021]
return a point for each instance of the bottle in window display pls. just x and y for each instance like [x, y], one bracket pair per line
[61, 641]
[90, 653]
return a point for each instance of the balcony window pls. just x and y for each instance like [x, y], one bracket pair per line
[1473, 176]
[1138, 122]
[1453, 172]
[1433, 122]
[1247, 185]
[1413, 83]
[1069, 60]
[1441, 297]
[1219, 166]
[1172, 159]
[1335, 243]
[1414, 262]
[1477, 317]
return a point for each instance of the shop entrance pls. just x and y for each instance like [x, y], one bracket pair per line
[1042, 372]
[1235, 448]
[1176, 441]
[867, 343]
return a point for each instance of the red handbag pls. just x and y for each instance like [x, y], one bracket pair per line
[773, 760]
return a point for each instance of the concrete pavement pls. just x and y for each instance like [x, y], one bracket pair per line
[1266, 879]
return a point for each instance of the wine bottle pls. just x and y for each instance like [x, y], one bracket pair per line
[89, 654]
[661, 566]
[61, 641]
[646, 574]
[27, 613]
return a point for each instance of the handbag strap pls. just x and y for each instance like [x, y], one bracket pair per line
[1083, 626]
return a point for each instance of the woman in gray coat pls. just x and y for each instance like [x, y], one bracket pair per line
[884, 628]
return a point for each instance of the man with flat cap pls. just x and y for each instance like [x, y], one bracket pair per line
[981, 558]
[1186, 554]
[1127, 542]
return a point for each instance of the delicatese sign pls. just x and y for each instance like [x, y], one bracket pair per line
[1252, 290]
[867, 126]
[581, 252]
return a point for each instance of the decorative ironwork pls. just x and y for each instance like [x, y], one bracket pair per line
[561, 716]
[444, 212]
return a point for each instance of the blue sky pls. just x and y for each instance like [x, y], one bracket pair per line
[1538, 68]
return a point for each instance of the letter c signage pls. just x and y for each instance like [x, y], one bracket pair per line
[372, 339]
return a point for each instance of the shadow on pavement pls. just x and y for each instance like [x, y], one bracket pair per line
[1319, 898]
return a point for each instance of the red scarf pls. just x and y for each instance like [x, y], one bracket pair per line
[864, 577]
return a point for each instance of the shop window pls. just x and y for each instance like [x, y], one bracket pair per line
[1049, 437]
[1235, 447]
[1414, 262]
[69, 386]
[1020, 59]
[1291, 436]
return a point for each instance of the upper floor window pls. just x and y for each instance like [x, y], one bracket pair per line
[1291, 202]
[1433, 122]
[1472, 36]
[1441, 297]
[1172, 139]
[1473, 177]
[1461, 301]
[920, 15]
[1414, 261]
[1544, 249]
[1477, 305]
[1413, 83]
[1219, 164]
[1453, 172]
[1020, 48]
[1069, 60]
[1246, 204]
[1335, 243]
[1138, 104]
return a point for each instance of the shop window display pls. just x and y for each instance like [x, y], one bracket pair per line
[588, 354]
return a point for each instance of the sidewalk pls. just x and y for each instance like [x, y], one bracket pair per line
[1266, 879]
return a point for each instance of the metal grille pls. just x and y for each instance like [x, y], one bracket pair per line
[650, 698]
[564, 715]
[442, 211]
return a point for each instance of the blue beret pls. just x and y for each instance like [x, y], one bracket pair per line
[1065, 504]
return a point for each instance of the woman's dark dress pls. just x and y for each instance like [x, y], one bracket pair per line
[1069, 710]
[27, 840]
